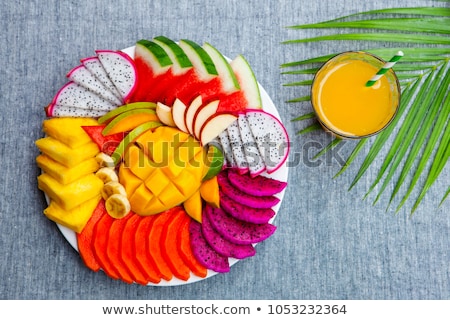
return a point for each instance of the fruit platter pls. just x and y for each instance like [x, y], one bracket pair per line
[163, 163]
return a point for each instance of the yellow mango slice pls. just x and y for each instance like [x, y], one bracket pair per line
[193, 206]
[130, 121]
[74, 219]
[73, 194]
[63, 174]
[138, 162]
[140, 198]
[68, 130]
[209, 191]
[65, 155]
[128, 179]
[157, 182]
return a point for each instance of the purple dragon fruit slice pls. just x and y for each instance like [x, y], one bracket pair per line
[85, 78]
[64, 111]
[203, 252]
[256, 186]
[95, 67]
[242, 197]
[245, 213]
[237, 147]
[120, 69]
[74, 95]
[238, 231]
[226, 149]
[271, 137]
[222, 245]
[254, 160]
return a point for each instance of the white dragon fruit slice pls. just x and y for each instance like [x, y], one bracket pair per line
[95, 67]
[237, 147]
[82, 76]
[120, 69]
[254, 159]
[271, 137]
[226, 149]
[74, 95]
[67, 111]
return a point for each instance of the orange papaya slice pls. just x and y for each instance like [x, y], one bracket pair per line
[185, 251]
[85, 238]
[113, 249]
[129, 251]
[100, 243]
[169, 248]
[143, 257]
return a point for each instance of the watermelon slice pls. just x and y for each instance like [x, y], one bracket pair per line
[106, 144]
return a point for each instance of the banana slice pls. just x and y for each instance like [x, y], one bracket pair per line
[107, 174]
[113, 187]
[117, 206]
[104, 160]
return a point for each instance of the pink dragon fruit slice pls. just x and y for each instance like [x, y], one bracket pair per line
[222, 245]
[203, 252]
[271, 137]
[56, 110]
[238, 231]
[120, 69]
[95, 67]
[256, 186]
[237, 147]
[242, 197]
[85, 78]
[254, 159]
[245, 213]
[74, 95]
[226, 149]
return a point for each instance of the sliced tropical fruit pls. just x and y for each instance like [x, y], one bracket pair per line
[75, 218]
[95, 67]
[106, 144]
[209, 192]
[68, 130]
[82, 76]
[193, 206]
[121, 69]
[85, 238]
[129, 120]
[169, 247]
[142, 251]
[124, 108]
[152, 62]
[214, 161]
[185, 250]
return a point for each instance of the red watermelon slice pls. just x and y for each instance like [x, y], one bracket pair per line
[106, 144]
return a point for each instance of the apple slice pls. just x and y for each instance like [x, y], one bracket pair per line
[164, 114]
[178, 114]
[191, 111]
[215, 125]
[202, 115]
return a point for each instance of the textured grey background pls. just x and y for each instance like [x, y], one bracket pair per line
[330, 244]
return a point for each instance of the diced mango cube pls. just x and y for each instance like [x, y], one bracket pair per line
[128, 179]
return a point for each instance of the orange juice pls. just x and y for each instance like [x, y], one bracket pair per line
[343, 103]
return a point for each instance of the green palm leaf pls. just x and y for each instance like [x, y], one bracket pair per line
[422, 127]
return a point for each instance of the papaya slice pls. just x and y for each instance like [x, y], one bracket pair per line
[113, 249]
[85, 238]
[169, 247]
[185, 251]
[100, 243]
[154, 243]
[129, 251]
[143, 257]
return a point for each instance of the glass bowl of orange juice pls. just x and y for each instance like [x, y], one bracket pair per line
[344, 105]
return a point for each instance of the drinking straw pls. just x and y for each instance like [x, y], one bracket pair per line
[384, 69]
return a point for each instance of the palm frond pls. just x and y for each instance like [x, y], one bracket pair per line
[422, 125]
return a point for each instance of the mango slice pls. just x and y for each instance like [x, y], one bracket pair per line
[68, 130]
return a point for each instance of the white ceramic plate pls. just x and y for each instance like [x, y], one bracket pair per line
[280, 174]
